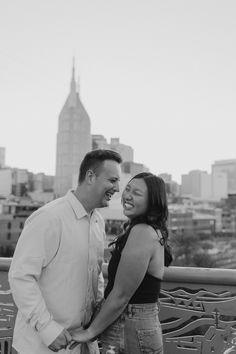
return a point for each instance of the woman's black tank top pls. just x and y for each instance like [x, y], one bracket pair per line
[147, 292]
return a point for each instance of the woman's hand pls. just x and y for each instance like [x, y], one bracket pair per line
[82, 336]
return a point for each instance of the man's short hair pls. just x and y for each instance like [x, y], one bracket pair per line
[94, 159]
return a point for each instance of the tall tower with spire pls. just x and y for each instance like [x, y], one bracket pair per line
[73, 139]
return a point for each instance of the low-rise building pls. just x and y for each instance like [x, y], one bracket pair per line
[13, 213]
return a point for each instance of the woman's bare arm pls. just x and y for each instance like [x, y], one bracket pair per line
[132, 268]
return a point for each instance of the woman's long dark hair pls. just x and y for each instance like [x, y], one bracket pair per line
[155, 216]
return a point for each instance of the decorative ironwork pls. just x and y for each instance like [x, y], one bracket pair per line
[198, 318]
[5, 345]
[7, 315]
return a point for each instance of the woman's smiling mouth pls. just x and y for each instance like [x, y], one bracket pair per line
[128, 205]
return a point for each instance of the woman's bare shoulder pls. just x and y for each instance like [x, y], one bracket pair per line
[144, 231]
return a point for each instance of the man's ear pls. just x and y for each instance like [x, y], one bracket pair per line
[90, 177]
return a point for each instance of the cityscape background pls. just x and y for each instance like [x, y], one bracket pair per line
[166, 66]
[154, 82]
[202, 208]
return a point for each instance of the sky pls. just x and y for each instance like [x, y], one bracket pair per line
[158, 74]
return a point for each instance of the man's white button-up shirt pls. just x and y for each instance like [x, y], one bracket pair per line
[55, 275]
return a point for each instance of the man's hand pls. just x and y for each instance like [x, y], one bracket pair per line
[61, 342]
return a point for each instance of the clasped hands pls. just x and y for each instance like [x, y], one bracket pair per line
[70, 339]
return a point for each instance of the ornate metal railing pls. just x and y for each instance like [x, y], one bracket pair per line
[198, 310]
[7, 309]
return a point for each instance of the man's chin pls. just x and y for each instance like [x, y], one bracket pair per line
[104, 204]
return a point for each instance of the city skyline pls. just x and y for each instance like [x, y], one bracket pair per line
[157, 75]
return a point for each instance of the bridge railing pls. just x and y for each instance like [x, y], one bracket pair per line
[198, 309]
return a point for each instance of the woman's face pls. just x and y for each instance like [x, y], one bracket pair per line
[135, 198]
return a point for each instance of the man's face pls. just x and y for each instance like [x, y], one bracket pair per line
[106, 183]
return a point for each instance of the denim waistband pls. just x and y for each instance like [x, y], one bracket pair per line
[132, 309]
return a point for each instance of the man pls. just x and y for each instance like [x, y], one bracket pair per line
[56, 268]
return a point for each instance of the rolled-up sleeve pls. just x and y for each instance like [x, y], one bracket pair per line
[36, 247]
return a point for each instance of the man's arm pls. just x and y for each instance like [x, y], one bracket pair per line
[35, 249]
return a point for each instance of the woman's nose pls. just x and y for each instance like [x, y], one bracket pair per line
[127, 196]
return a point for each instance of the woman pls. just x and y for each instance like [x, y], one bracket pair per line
[129, 315]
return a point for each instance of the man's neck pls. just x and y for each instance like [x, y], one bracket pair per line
[82, 196]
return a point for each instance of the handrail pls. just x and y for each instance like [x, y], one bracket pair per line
[5, 263]
[213, 276]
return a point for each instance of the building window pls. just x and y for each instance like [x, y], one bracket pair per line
[21, 225]
[8, 236]
[9, 225]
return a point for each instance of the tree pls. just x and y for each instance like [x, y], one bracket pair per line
[189, 250]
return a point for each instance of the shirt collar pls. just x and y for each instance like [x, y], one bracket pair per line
[76, 205]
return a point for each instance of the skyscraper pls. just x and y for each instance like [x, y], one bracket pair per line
[73, 139]
[100, 142]
[197, 184]
[227, 167]
[2, 157]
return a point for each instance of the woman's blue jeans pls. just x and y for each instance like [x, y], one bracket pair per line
[136, 331]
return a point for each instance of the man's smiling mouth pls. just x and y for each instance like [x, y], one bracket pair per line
[108, 195]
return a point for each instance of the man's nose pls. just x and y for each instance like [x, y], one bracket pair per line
[116, 186]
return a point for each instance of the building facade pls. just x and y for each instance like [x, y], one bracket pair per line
[13, 213]
[133, 168]
[219, 185]
[228, 168]
[196, 184]
[5, 182]
[126, 151]
[2, 157]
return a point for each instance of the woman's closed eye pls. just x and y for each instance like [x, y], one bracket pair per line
[137, 192]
